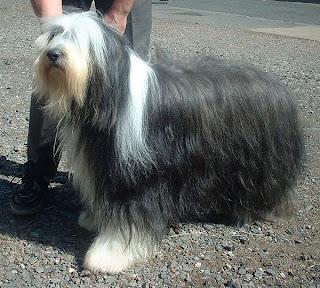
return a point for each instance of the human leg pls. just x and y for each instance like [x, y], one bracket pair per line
[43, 157]
[139, 24]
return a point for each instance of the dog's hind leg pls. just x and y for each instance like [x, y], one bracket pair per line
[114, 249]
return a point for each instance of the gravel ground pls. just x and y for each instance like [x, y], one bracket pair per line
[47, 250]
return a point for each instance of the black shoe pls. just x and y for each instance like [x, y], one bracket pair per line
[28, 198]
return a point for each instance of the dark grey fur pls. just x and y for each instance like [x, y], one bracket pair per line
[222, 138]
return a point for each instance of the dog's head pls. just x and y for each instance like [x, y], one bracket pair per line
[74, 50]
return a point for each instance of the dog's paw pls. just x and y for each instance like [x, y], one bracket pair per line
[107, 260]
[86, 220]
[110, 253]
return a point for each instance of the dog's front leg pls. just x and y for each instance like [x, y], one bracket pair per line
[88, 221]
[115, 249]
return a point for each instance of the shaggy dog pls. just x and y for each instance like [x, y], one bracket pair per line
[151, 144]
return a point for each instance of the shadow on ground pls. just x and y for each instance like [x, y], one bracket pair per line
[55, 226]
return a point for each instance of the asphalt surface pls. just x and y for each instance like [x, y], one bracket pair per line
[283, 11]
[293, 19]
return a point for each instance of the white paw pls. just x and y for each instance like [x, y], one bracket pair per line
[109, 253]
[104, 259]
[87, 221]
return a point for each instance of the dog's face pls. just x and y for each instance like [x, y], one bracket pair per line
[70, 48]
[61, 69]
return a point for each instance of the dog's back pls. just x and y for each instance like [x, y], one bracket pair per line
[228, 136]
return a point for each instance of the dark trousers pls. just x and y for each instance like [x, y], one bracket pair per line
[42, 131]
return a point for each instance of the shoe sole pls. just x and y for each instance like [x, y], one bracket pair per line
[19, 212]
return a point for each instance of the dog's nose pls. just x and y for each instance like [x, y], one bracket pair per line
[53, 55]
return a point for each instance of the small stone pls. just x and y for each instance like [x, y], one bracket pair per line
[207, 272]
[258, 273]
[55, 280]
[48, 269]
[309, 207]
[71, 270]
[248, 276]
[230, 254]
[228, 247]
[205, 283]
[303, 257]
[110, 279]
[244, 241]
[163, 275]
[317, 267]
[262, 254]
[242, 271]
[39, 269]
[290, 231]
[232, 284]
[36, 283]
[267, 282]
[283, 275]
[62, 267]
[269, 272]
[10, 276]
[197, 265]
[85, 273]
[26, 276]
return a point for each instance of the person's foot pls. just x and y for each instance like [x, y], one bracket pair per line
[28, 198]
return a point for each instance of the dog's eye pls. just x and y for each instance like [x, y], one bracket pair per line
[55, 33]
